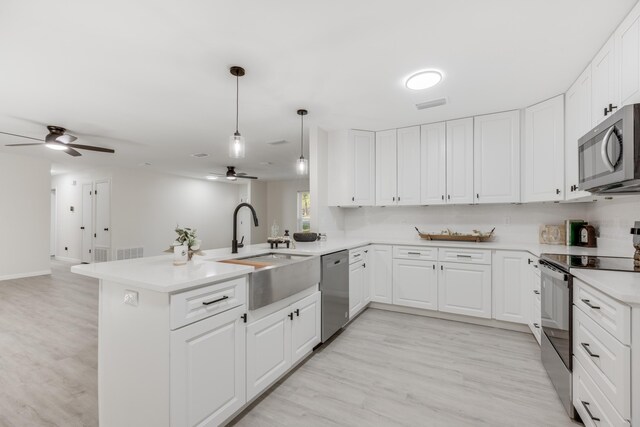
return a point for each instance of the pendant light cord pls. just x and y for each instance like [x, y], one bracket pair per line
[301, 135]
[237, 99]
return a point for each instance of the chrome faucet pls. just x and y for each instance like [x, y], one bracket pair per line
[234, 242]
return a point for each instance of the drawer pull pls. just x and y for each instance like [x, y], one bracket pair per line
[588, 302]
[215, 300]
[537, 292]
[463, 256]
[536, 326]
[413, 253]
[585, 405]
[357, 255]
[588, 350]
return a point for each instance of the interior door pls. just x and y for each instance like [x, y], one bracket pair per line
[102, 233]
[87, 223]
[409, 166]
[386, 168]
[54, 223]
[433, 171]
[460, 161]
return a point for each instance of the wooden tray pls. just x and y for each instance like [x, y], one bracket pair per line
[456, 238]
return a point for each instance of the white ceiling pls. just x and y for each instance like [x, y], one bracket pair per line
[151, 79]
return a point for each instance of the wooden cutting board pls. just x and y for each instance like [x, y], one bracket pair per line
[254, 264]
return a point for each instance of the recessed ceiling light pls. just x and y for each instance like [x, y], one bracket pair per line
[424, 79]
[212, 177]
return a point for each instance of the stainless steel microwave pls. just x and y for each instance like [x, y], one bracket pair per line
[609, 155]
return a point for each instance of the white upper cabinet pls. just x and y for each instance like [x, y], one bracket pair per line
[627, 48]
[386, 168]
[460, 161]
[433, 172]
[409, 166]
[496, 146]
[543, 154]
[577, 124]
[603, 74]
[351, 159]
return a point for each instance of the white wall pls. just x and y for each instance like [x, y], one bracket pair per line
[25, 221]
[613, 219]
[282, 203]
[258, 199]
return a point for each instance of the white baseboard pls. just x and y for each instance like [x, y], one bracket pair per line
[66, 259]
[23, 275]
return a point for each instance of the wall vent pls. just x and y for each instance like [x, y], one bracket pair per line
[129, 253]
[431, 104]
[101, 255]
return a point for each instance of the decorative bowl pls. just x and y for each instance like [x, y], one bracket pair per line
[305, 237]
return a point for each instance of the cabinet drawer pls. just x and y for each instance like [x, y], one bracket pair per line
[415, 252]
[470, 256]
[612, 315]
[591, 403]
[605, 359]
[356, 255]
[191, 306]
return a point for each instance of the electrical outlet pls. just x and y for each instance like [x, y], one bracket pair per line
[131, 298]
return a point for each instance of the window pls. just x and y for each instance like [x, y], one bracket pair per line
[304, 211]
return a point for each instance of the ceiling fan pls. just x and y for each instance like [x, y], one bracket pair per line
[232, 175]
[59, 139]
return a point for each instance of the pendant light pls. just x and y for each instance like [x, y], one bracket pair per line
[302, 165]
[236, 141]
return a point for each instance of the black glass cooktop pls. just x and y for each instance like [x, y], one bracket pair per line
[592, 262]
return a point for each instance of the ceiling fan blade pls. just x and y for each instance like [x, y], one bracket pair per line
[91, 147]
[72, 152]
[23, 145]
[66, 138]
[246, 177]
[21, 136]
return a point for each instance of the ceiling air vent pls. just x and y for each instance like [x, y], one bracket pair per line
[431, 104]
[200, 155]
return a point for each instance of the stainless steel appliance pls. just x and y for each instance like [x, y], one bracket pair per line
[334, 285]
[556, 341]
[609, 155]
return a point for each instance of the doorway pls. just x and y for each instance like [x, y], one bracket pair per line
[53, 241]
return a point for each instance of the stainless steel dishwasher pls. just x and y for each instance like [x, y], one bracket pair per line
[334, 285]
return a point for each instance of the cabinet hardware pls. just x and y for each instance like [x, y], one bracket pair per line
[336, 262]
[588, 350]
[215, 300]
[398, 198]
[366, 252]
[244, 318]
[95, 235]
[413, 253]
[298, 312]
[606, 111]
[441, 268]
[449, 196]
[585, 405]
[463, 256]
[443, 197]
[106, 229]
[557, 191]
[537, 292]
[434, 266]
[356, 255]
[81, 228]
[394, 198]
[290, 316]
[353, 199]
[536, 326]
[364, 265]
[529, 260]
[588, 302]
[477, 195]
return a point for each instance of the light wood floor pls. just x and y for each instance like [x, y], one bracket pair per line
[386, 369]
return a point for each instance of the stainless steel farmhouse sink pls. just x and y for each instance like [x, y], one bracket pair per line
[278, 276]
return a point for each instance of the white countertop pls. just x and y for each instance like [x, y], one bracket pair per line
[621, 285]
[159, 274]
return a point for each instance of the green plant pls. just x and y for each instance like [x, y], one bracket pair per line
[188, 236]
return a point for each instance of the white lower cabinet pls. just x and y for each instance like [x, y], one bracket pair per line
[380, 262]
[208, 370]
[356, 287]
[279, 340]
[532, 279]
[465, 289]
[511, 290]
[415, 283]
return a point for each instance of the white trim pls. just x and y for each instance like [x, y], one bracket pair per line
[67, 259]
[23, 275]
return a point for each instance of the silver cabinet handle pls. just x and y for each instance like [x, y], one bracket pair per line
[605, 147]
[588, 303]
[588, 350]
[463, 256]
[585, 405]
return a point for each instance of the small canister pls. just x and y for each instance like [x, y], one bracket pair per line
[180, 254]
[636, 243]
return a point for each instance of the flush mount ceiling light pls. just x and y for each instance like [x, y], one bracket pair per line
[236, 141]
[302, 165]
[423, 79]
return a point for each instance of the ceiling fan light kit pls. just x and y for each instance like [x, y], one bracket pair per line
[236, 141]
[302, 165]
[58, 139]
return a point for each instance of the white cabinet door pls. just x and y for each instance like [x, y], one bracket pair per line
[340, 172]
[415, 283]
[627, 49]
[433, 171]
[577, 124]
[460, 161]
[368, 277]
[409, 166]
[208, 370]
[268, 350]
[496, 158]
[543, 160]
[364, 164]
[381, 262]
[305, 326]
[465, 289]
[511, 287]
[356, 288]
[386, 168]
[604, 77]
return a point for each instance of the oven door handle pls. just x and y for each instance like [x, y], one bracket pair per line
[553, 273]
[605, 148]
